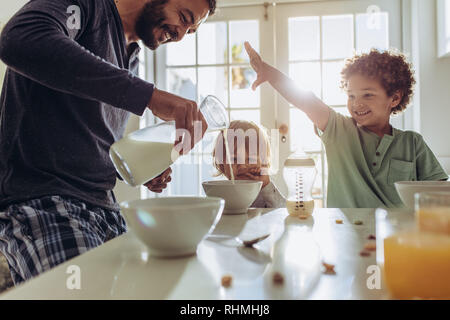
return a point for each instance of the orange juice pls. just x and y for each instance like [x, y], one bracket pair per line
[434, 219]
[417, 265]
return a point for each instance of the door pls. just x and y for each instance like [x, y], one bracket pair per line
[214, 61]
[313, 39]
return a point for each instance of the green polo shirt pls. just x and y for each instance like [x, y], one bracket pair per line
[362, 167]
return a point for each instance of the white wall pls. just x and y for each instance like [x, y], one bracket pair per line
[434, 91]
[229, 3]
[7, 10]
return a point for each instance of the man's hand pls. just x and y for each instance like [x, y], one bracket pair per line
[257, 64]
[159, 183]
[185, 113]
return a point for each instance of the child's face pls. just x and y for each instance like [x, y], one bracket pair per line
[368, 102]
[244, 164]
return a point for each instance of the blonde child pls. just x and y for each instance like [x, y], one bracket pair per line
[250, 160]
[365, 154]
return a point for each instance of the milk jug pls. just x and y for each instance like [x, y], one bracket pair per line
[144, 154]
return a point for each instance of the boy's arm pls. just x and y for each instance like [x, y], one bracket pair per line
[304, 100]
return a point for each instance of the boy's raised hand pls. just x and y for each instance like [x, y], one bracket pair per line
[257, 64]
[304, 100]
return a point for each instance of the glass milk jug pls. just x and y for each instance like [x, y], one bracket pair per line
[144, 154]
[299, 175]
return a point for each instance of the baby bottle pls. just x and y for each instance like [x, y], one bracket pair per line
[299, 175]
[144, 154]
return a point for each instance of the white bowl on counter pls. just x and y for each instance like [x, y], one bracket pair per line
[172, 226]
[238, 195]
[407, 189]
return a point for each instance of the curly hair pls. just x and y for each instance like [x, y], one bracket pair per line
[390, 67]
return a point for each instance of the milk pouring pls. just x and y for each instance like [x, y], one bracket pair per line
[144, 154]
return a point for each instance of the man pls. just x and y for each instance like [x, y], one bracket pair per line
[67, 95]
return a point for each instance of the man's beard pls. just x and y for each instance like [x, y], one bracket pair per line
[151, 18]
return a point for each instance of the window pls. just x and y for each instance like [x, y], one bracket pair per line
[307, 40]
[443, 13]
[211, 62]
[319, 39]
[318, 46]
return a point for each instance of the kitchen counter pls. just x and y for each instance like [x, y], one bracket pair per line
[122, 268]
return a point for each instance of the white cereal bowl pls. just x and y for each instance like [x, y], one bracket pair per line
[238, 195]
[407, 189]
[173, 226]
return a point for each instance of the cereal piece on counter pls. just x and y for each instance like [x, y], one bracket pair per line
[338, 221]
[278, 278]
[371, 237]
[364, 253]
[227, 281]
[358, 222]
[329, 268]
[370, 246]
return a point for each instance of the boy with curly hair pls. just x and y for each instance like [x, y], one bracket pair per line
[365, 154]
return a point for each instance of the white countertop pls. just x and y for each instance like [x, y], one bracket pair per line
[122, 269]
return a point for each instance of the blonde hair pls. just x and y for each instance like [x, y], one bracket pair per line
[234, 132]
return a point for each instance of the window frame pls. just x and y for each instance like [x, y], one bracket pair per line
[161, 67]
[443, 25]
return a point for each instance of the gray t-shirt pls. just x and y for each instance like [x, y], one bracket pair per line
[67, 96]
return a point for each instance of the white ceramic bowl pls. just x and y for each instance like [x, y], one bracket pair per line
[407, 189]
[173, 226]
[238, 195]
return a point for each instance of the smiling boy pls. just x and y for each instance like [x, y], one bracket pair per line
[365, 154]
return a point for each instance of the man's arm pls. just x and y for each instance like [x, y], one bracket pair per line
[38, 44]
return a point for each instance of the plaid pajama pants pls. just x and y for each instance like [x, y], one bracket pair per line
[39, 234]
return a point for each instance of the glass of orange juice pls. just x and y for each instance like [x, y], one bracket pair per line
[415, 262]
[433, 211]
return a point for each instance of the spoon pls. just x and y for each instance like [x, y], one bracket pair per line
[245, 243]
